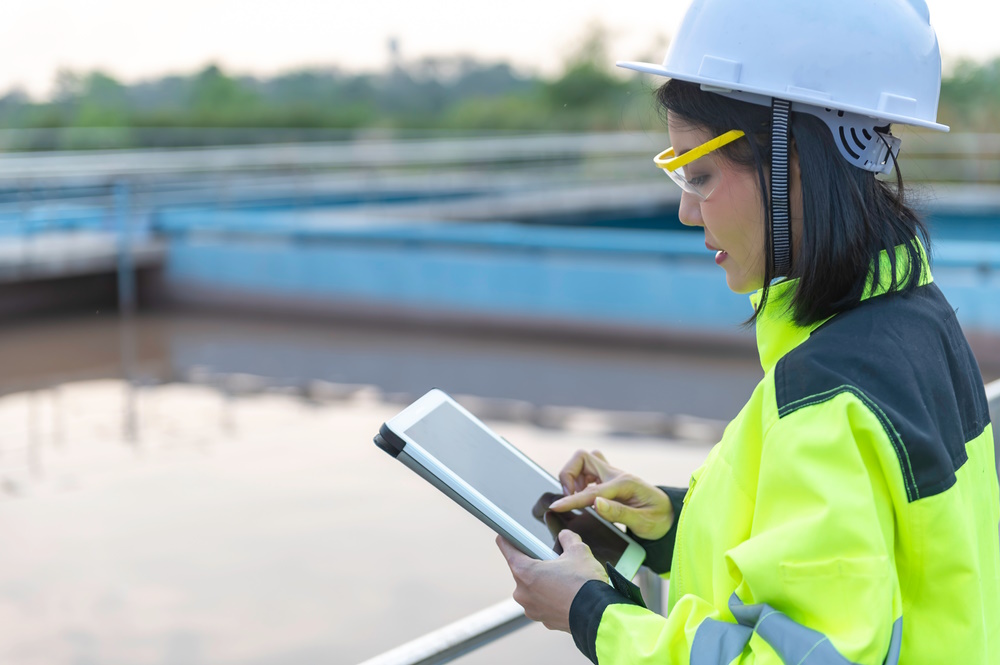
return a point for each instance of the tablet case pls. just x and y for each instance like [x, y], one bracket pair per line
[387, 440]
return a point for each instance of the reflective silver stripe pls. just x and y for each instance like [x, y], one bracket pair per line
[896, 643]
[720, 642]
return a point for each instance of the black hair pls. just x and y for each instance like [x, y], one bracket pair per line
[849, 215]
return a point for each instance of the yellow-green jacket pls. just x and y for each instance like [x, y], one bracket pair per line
[849, 514]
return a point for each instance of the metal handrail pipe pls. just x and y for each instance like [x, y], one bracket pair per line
[382, 153]
[210, 187]
[457, 639]
[993, 394]
[975, 152]
[993, 399]
[993, 403]
[956, 144]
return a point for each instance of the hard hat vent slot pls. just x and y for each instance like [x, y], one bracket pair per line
[846, 145]
[861, 144]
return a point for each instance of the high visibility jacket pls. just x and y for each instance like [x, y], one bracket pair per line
[849, 514]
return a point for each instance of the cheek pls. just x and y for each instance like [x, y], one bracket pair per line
[746, 221]
[736, 221]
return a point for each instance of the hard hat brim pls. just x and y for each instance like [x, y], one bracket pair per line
[660, 70]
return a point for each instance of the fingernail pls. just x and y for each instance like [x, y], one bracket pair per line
[601, 504]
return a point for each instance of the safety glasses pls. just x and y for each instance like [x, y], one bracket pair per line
[695, 171]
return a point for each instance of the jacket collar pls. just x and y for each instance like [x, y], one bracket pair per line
[777, 332]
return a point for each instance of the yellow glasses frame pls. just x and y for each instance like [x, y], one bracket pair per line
[701, 185]
[668, 161]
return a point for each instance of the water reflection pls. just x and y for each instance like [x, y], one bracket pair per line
[248, 527]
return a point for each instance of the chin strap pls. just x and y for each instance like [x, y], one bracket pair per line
[781, 229]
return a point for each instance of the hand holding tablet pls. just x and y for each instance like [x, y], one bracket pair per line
[481, 471]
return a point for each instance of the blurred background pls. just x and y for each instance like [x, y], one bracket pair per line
[236, 237]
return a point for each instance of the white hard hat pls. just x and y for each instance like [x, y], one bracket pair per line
[857, 64]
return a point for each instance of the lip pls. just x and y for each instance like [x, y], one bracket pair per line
[711, 248]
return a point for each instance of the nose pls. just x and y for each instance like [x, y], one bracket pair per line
[690, 210]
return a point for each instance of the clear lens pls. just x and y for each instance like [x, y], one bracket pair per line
[700, 177]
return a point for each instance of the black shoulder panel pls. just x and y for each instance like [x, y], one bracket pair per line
[905, 356]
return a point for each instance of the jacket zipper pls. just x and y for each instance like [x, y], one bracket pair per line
[678, 545]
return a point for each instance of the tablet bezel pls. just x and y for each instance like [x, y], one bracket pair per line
[429, 467]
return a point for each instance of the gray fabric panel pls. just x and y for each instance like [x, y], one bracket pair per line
[896, 643]
[718, 642]
[748, 615]
[793, 642]
[796, 644]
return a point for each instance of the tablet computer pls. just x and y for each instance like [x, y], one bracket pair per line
[480, 470]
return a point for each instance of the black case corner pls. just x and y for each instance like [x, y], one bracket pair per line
[387, 440]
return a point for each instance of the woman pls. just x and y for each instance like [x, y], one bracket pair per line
[850, 512]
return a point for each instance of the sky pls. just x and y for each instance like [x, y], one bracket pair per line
[138, 39]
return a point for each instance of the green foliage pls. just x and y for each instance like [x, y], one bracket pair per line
[100, 102]
[212, 92]
[584, 85]
[586, 82]
[970, 96]
[433, 93]
[511, 112]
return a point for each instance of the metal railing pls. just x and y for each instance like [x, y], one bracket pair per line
[476, 630]
[392, 154]
[993, 399]
[963, 158]
[459, 638]
[950, 158]
[53, 191]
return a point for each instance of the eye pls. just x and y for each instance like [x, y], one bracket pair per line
[699, 180]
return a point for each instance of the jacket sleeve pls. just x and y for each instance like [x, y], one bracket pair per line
[814, 578]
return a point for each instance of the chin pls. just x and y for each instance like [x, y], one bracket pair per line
[741, 286]
[740, 282]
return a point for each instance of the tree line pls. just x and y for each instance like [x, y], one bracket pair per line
[447, 93]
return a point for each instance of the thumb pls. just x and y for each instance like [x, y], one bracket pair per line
[569, 538]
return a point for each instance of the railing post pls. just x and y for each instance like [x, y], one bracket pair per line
[651, 586]
[993, 400]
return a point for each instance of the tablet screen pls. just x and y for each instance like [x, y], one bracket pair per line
[508, 482]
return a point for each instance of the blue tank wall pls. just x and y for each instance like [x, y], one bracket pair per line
[597, 274]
